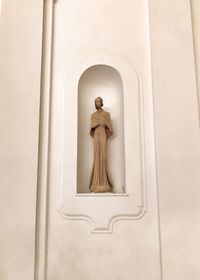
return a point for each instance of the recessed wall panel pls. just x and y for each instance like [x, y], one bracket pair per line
[93, 227]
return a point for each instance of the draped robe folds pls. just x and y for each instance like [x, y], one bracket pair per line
[101, 130]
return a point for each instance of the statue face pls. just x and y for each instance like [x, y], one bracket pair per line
[98, 103]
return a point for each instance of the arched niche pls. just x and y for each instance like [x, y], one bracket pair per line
[104, 81]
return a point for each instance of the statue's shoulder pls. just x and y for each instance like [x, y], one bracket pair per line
[94, 114]
[106, 114]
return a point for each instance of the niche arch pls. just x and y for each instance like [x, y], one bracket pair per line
[101, 211]
[105, 81]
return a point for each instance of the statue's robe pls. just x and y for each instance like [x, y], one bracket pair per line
[101, 130]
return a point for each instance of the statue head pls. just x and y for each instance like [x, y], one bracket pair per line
[98, 102]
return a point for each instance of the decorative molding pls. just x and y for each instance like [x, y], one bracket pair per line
[41, 231]
[135, 212]
[195, 52]
[96, 51]
[109, 228]
[155, 150]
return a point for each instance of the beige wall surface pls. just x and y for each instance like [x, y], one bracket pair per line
[134, 247]
[114, 33]
[195, 13]
[20, 60]
[177, 138]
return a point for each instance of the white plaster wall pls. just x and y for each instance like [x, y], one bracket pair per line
[132, 251]
[177, 138]
[0, 6]
[20, 60]
[132, 248]
[195, 14]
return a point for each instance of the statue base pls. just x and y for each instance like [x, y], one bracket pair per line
[101, 189]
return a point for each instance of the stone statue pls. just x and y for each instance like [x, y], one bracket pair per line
[101, 130]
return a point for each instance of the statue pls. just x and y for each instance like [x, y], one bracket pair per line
[101, 130]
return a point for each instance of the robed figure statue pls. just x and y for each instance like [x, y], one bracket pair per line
[101, 130]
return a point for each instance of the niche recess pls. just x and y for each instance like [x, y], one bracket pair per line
[104, 81]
